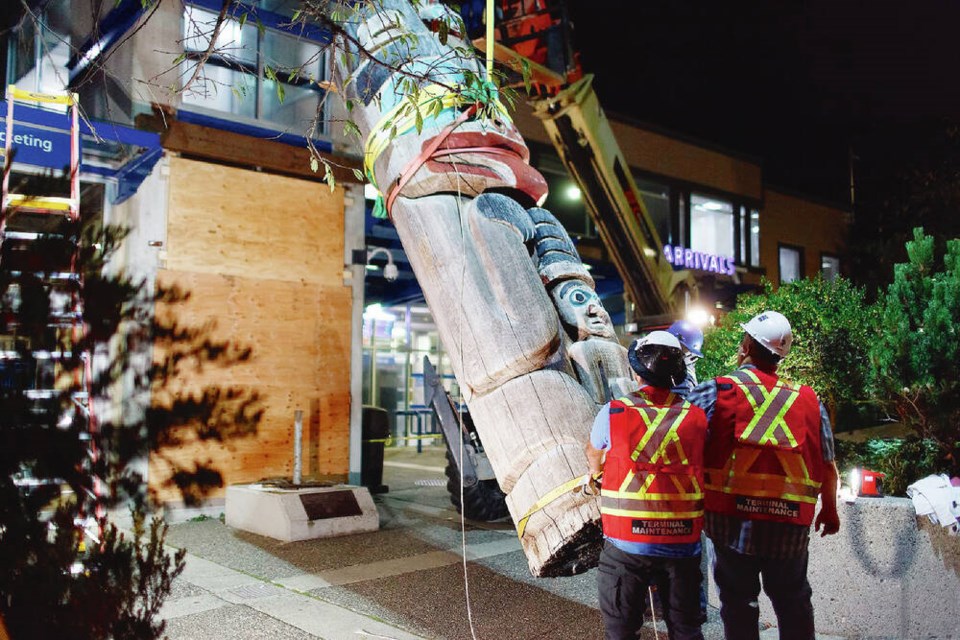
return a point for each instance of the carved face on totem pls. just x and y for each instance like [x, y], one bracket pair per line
[581, 311]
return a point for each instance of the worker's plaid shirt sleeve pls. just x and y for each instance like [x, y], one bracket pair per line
[705, 397]
[826, 435]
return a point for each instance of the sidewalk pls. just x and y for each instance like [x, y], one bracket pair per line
[403, 582]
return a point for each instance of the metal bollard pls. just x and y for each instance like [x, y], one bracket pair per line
[297, 446]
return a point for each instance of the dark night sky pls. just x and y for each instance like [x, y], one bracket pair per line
[793, 83]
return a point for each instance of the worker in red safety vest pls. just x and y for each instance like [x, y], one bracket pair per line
[769, 456]
[649, 448]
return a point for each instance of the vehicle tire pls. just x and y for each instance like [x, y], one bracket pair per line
[483, 501]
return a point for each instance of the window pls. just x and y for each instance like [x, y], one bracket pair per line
[564, 199]
[656, 200]
[754, 236]
[711, 226]
[254, 72]
[38, 57]
[829, 266]
[791, 263]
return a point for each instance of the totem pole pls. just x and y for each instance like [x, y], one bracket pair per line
[530, 344]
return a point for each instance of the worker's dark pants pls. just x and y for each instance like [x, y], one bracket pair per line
[623, 579]
[784, 582]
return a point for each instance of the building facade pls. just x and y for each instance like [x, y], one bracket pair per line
[210, 170]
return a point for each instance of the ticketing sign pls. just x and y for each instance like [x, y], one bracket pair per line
[41, 138]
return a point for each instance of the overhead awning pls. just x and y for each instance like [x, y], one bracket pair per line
[110, 150]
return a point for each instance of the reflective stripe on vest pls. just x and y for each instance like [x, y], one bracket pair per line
[661, 450]
[769, 409]
[795, 483]
[766, 431]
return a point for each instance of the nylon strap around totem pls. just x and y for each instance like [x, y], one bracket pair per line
[546, 499]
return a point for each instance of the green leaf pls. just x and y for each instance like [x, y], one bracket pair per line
[314, 164]
[243, 19]
[281, 92]
[443, 32]
[350, 128]
[358, 174]
[328, 177]
[418, 123]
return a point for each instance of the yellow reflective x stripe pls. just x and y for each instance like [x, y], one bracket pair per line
[641, 492]
[736, 477]
[779, 399]
[653, 428]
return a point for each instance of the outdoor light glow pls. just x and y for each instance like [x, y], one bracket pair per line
[855, 481]
[370, 192]
[587, 267]
[573, 192]
[698, 316]
[713, 206]
[375, 312]
[372, 267]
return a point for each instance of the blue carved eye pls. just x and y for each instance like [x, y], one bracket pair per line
[579, 297]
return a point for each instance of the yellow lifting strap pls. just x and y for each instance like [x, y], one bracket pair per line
[403, 118]
[546, 499]
[490, 41]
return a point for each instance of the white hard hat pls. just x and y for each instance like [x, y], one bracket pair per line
[662, 338]
[658, 359]
[772, 330]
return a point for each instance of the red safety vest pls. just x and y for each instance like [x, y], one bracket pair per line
[653, 472]
[763, 459]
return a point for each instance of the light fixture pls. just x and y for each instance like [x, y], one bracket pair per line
[390, 272]
[375, 312]
[698, 316]
[573, 192]
[713, 205]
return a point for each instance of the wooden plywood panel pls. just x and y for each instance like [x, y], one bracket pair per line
[238, 222]
[299, 333]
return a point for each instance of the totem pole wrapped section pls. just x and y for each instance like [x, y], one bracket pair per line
[531, 346]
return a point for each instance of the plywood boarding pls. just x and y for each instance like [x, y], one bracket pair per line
[233, 221]
[300, 336]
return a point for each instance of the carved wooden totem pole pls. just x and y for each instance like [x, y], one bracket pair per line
[530, 343]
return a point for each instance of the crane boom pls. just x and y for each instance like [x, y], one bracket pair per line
[583, 138]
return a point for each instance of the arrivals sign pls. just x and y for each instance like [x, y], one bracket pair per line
[683, 258]
[41, 138]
